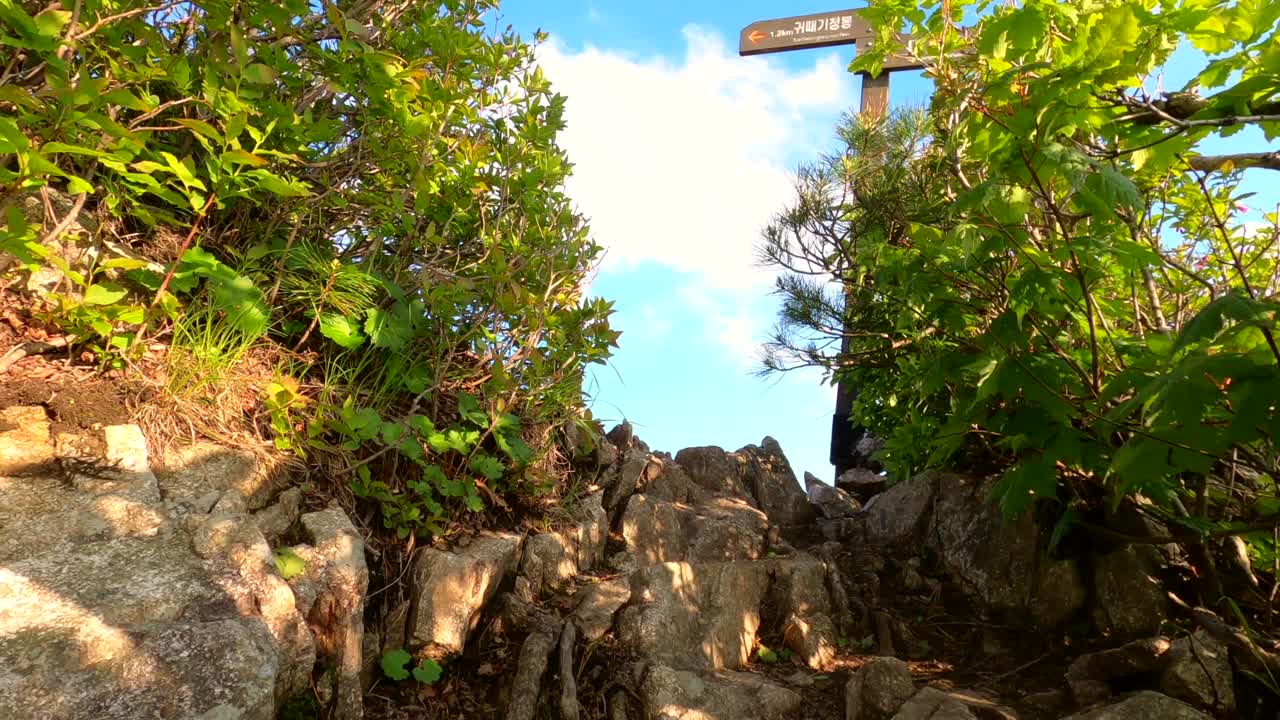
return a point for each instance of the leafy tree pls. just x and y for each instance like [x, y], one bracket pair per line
[371, 194]
[1058, 283]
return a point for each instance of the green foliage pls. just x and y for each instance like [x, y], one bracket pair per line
[1045, 272]
[371, 201]
[289, 563]
[396, 665]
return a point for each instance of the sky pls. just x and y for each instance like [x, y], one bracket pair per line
[683, 152]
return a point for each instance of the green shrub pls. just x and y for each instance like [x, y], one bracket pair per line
[372, 198]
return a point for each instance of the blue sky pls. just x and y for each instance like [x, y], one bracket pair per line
[683, 151]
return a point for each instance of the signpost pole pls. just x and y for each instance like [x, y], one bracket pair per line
[816, 31]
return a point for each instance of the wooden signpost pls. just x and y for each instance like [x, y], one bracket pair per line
[807, 32]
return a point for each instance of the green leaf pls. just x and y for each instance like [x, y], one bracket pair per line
[238, 156]
[50, 22]
[260, 74]
[104, 294]
[395, 664]
[487, 466]
[341, 330]
[1032, 479]
[289, 563]
[389, 329]
[428, 671]
[470, 410]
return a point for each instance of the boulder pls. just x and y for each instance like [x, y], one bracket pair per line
[670, 694]
[336, 567]
[720, 529]
[901, 513]
[933, 704]
[1198, 672]
[695, 615]
[1091, 676]
[622, 436]
[189, 473]
[830, 502]
[450, 588]
[596, 604]
[993, 560]
[664, 479]
[1144, 706]
[812, 638]
[626, 476]
[862, 484]
[1130, 599]
[276, 519]
[26, 447]
[716, 471]
[878, 689]
[1060, 594]
[772, 483]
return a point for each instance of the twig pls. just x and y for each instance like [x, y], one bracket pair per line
[195, 226]
[28, 349]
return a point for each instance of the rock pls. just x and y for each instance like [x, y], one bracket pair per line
[626, 477]
[1130, 600]
[337, 568]
[799, 585]
[1199, 673]
[878, 689]
[597, 604]
[548, 562]
[64, 672]
[800, 678]
[695, 615]
[250, 579]
[720, 529]
[830, 502]
[811, 638]
[769, 478]
[25, 444]
[527, 683]
[716, 471]
[664, 479]
[901, 513]
[688, 695]
[862, 484]
[451, 588]
[993, 560]
[1059, 595]
[188, 473]
[591, 531]
[1090, 676]
[275, 520]
[933, 704]
[622, 436]
[1144, 706]
[551, 560]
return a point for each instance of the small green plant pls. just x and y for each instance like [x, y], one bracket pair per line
[769, 656]
[396, 665]
[289, 563]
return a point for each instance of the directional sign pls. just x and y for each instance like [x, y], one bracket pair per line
[804, 31]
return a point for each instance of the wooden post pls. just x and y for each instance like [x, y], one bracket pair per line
[844, 436]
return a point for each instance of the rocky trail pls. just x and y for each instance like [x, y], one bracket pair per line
[708, 585]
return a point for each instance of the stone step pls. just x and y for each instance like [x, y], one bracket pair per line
[102, 586]
[670, 694]
[62, 673]
[658, 531]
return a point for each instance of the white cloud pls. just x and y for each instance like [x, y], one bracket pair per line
[726, 318]
[683, 163]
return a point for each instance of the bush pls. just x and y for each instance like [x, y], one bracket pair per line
[1058, 282]
[375, 193]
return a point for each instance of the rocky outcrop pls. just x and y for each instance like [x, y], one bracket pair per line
[719, 529]
[878, 689]
[1144, 706]
[131, 609]
[450, 588]
[671, 694]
